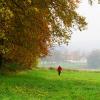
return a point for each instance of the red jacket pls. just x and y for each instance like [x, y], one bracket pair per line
[59, 68]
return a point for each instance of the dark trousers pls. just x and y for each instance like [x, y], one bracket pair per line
[59, 72]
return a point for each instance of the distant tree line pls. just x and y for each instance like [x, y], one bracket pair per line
[64, 56]
[93, 59]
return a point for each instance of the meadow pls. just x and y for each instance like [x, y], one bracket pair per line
[44, 84]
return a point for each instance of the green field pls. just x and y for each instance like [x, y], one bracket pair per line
[41, 84]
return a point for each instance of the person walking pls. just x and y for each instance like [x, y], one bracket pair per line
[59, 69]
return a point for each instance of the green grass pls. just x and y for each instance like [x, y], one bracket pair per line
[42, 84]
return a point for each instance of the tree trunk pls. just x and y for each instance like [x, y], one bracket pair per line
[1, 59]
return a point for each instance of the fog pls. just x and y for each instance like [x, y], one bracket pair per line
[83, 45]
[89, 39]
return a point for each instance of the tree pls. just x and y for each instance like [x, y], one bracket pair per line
[93, 59]
[32, 26]
[91, 1]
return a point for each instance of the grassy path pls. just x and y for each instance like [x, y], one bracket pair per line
[47, 85]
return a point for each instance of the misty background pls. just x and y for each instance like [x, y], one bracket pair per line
[82, 45]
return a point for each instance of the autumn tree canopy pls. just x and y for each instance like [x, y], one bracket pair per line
[32, 26]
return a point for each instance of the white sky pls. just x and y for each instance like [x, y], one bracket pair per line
[89, 39]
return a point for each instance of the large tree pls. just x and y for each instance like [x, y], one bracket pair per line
[32, 26]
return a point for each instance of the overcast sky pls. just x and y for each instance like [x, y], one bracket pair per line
[89, 39]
